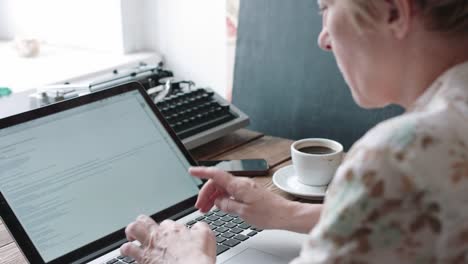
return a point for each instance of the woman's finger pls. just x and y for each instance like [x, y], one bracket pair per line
[202, 229]
[137, 231]
[208, 194]
[239, 188]
[146, 220]
[140, 229]
[200, 226]
[230, 206]
[167, 224]
[203, 200]
[243, 190]
[220, 177]
[205, 236]
[132, 250]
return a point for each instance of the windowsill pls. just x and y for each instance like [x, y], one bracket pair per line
[58, 65]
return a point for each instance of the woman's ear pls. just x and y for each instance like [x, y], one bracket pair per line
[398, 14]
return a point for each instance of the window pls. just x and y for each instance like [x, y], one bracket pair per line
[76, 37]
[86, 24]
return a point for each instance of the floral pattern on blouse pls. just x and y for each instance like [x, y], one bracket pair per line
[401, 194]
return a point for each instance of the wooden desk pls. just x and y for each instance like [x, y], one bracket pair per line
[242, 144]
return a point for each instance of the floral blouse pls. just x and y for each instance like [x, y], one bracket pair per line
[401, 195]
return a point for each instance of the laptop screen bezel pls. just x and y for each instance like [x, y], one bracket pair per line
[113, 240]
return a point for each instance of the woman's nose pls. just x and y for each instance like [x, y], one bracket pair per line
[324, 40]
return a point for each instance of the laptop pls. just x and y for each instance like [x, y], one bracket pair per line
[74, 174]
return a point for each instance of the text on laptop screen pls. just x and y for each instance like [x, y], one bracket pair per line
[81, 174]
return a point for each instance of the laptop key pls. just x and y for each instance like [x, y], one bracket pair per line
[227, 218]
[238, 221]
[191, 222]
[228, 235]
[128, 260]
[236, 230]
[241, 237]
[231, 242]
[220, 249]
[212, 218]
[112, 261]
[206, 221]
[220, 239]
[200, 218]
[221, 214]
[251, 234]
[222, 229]
[218, 223]
[244, 226]
[230, 225]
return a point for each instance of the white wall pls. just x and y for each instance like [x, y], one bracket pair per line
[133, 26]
[191, 35]
[6, 27]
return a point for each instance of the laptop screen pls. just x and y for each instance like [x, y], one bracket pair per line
[78, 175]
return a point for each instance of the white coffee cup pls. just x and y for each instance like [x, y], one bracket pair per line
[315, 160]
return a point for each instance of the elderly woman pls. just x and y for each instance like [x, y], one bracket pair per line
[400, 195]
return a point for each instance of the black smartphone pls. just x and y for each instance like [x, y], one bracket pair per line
[244, 167]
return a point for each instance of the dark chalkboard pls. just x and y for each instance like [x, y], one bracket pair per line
[289, 86]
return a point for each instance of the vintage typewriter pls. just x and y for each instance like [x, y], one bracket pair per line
[197, 114]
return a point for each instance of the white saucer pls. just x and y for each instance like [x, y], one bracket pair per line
[286, 179]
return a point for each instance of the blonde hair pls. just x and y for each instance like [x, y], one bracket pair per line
[449, 16]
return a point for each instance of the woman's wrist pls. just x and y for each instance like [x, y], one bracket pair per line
[205, 259]
[298, 217]
[199, 258]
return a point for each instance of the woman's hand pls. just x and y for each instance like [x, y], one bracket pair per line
[243, 197]
[169, 242]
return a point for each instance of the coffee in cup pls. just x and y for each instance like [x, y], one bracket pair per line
[318, 150]
[315, 160]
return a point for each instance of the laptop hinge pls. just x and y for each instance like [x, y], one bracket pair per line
[100, 252]
[183, 213]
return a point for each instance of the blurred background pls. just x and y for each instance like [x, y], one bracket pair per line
[43, 42]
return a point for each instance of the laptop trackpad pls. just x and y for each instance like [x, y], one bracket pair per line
[253, 256]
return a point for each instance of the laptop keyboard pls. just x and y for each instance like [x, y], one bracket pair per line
[230, 230]
[121, 259]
